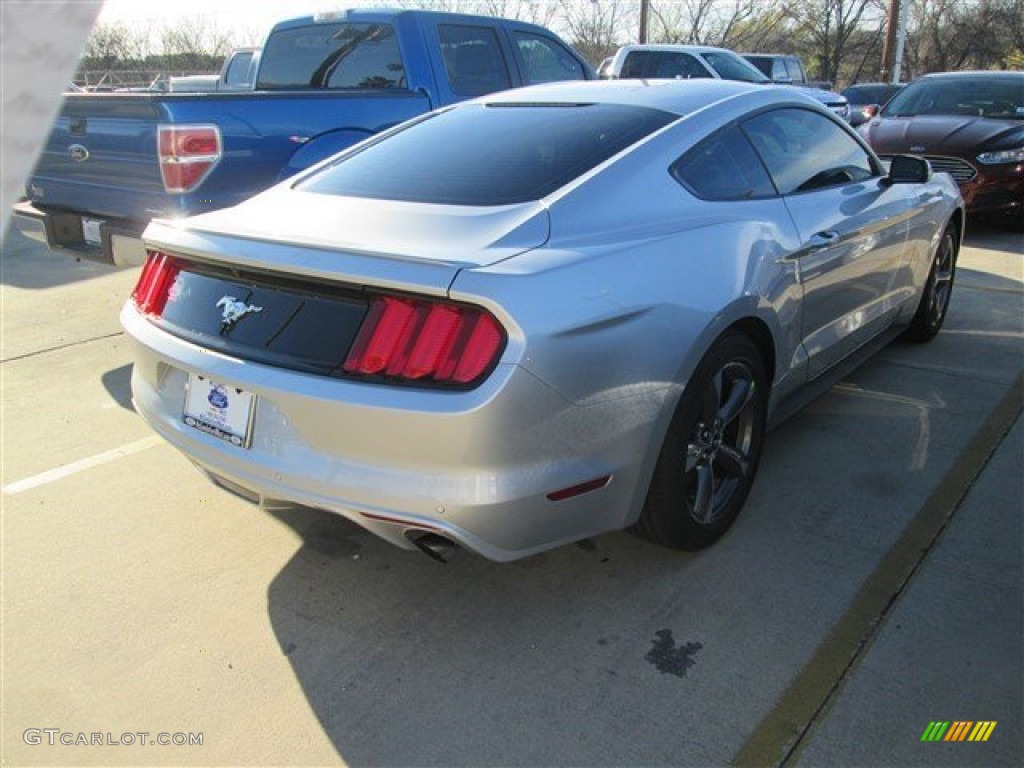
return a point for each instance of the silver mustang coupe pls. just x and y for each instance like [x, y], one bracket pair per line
[538, 316]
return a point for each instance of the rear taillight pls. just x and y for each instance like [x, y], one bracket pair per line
[426, 341]
[154, 286]
[187, 154]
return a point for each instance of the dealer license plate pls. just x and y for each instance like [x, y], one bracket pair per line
[219, 410]
[91, 231]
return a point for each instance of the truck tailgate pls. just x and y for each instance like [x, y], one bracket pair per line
[101, 156]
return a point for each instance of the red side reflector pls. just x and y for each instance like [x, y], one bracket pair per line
[579, 490]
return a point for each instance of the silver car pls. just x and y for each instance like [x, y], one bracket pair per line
[538, 316]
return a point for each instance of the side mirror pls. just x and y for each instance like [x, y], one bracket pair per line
[909, 169]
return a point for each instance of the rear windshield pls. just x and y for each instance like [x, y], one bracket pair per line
[332, 56]
[489, 155]
[981, 96]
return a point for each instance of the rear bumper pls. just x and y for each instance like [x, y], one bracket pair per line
[65, 232]
[477, 467]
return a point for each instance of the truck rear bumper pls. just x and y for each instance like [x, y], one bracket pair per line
[81, 237]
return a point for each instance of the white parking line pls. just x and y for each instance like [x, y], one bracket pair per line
[74, 468]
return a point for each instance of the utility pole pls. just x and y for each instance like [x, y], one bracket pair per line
[645, 7]
[891, 34]
[901, 41]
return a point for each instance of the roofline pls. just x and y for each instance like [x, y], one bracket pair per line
[365, 15]
[975, 73]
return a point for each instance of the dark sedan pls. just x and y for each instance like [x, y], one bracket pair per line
[967, 124]
[866, 99]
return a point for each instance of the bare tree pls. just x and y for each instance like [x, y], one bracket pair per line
[193, 41]
[738, 24]
[534, 11]
[828, 26]
[114, 46]
[597, 28]
[946, 35]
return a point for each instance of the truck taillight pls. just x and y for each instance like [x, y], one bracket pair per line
[422, 340]
[154, 286]
[187, 154]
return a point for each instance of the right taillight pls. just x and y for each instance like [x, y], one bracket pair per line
[187, 154]
[427, 341]
[154, 286]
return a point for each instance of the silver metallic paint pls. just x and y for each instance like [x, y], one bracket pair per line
[611, 290]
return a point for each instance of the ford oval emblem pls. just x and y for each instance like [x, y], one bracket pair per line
[218, 397]
[78, 153]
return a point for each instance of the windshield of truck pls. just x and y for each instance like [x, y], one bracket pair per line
[332, 56]
[731, 66]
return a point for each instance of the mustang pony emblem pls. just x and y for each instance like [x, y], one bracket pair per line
[234, 310]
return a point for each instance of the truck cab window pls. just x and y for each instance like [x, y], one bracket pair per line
[544, 60]
[473, 60]
[333, 56]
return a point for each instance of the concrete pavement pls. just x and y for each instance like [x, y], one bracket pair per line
[838, 618]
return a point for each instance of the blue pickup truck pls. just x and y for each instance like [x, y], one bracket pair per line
[115, 161]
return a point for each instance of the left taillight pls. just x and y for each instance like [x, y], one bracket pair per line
[155, 282]
[187, 155]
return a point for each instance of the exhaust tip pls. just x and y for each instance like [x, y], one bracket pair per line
[435, 546]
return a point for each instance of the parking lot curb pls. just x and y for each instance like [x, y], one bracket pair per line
[780, 736]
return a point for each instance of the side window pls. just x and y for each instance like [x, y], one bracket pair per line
[473, 60]
[796, 72]
[724, 167]
[779, 70]
[804, 150]
[545, 60]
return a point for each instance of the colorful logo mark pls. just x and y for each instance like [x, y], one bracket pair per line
[958, 730]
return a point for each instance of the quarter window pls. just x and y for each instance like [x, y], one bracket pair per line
[473, 60]
[804, 151]
[545, 61]
[724, 167]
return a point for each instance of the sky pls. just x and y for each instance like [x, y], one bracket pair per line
[247, 14]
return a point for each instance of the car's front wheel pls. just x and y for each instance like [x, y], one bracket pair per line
[711, 451]
[938, 290]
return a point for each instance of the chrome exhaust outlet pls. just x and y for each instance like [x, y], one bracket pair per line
[434, 546]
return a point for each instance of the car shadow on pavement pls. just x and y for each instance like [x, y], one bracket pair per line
[118, 383]
[407, 661]
[27, 264]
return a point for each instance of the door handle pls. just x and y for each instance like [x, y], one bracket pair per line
[823, 239]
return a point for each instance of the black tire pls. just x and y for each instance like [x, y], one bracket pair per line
[710, 455]
[938, 289]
